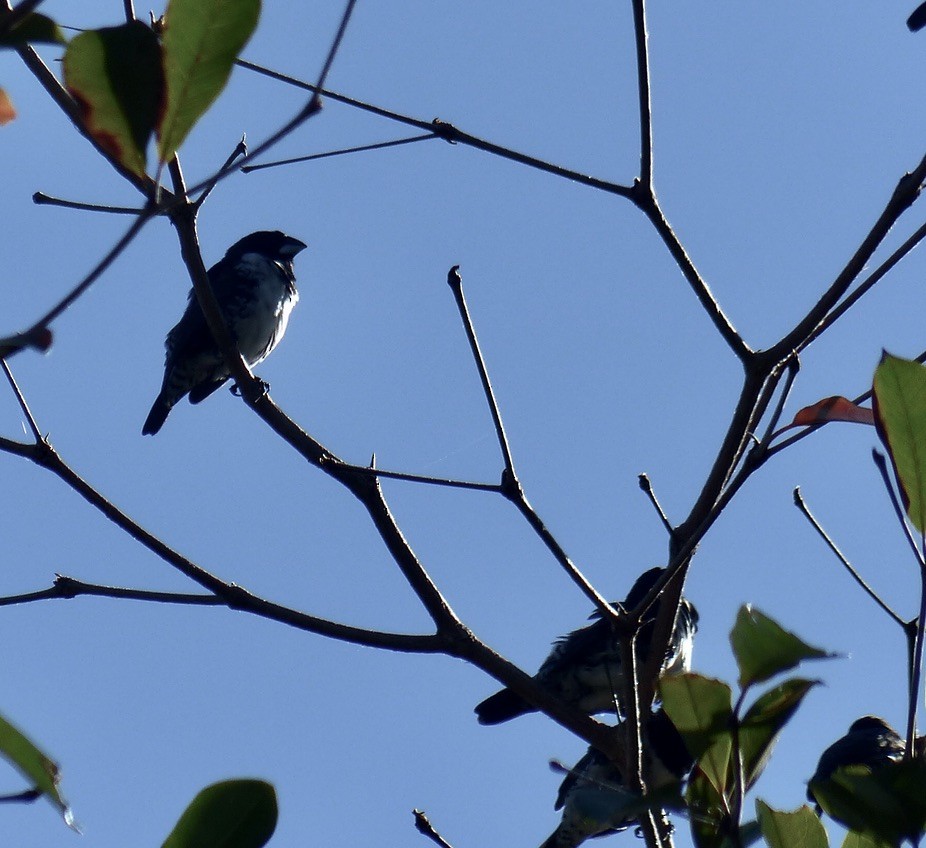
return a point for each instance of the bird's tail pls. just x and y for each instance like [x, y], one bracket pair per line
[502, 706]
[158, 415]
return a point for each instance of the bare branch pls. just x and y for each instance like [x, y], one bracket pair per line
[643, 97]
[916, 667]
[427, 829]
[21, 400]
[647, 487]
[67, 588]
[511, 486]
[333, 50]
[41, 199]
[67, 105]
[904, 195]
[43, 322]
[881, 464]
[239, 600]
[382, 145]
[311, 108]
[455, 281]
[805, 510]
[241, 149]
[646, 201]
[866, 285]
[417, 478]
[25, 797]
[448, 133]
[793, 368]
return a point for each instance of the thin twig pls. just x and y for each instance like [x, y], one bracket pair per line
[511, 489]
[734, 444]
[41, 199]
[511, 486]
[736, 755]
[67, 104]
[449, 133]
[68, 588]
[21, 400]
[425, 827]
[25, 797]
[802, 506]
[643, 94]
[36, 331]
[812, 428]
[311, 108]
[335, 44]
[916, 666]
[866, 285]
[647, 487]
[455, 281]
[902, 198]
[881, 464]
[647, 203]
[143, 218]
[382, 145]
[419, 478]
[241, 149]
[233, 596]
[793, 368]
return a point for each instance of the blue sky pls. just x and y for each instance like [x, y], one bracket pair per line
[779, 135]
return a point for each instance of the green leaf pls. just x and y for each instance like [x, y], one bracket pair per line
[798, 829]
[900, 418]
[33, 28]
[763, 722]
[701, 708]
[115, 75]
[39, 769]
[887, 804]
[859, 840]
[202, 39]
[764, 649]
[710, 823]
[230, 814]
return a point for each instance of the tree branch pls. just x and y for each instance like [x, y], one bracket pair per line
[447, 132]
[381, 145]
[14, 344]
[805, 511]
[904, 195]
[643, 95]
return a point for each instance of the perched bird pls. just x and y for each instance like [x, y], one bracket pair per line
[871, 742]
[255, 286]
[594, 798]
[584, 667]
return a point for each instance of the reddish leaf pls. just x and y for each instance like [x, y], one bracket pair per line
[7, 112]
[833, 408]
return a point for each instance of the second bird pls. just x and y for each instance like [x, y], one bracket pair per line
[255, 285]
[584, 667]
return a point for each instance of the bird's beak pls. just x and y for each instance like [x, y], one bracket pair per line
[291, 247]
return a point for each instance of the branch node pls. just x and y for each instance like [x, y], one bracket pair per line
[447, 131]
[67, 587]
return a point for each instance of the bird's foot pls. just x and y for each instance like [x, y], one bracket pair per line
[235, 389]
